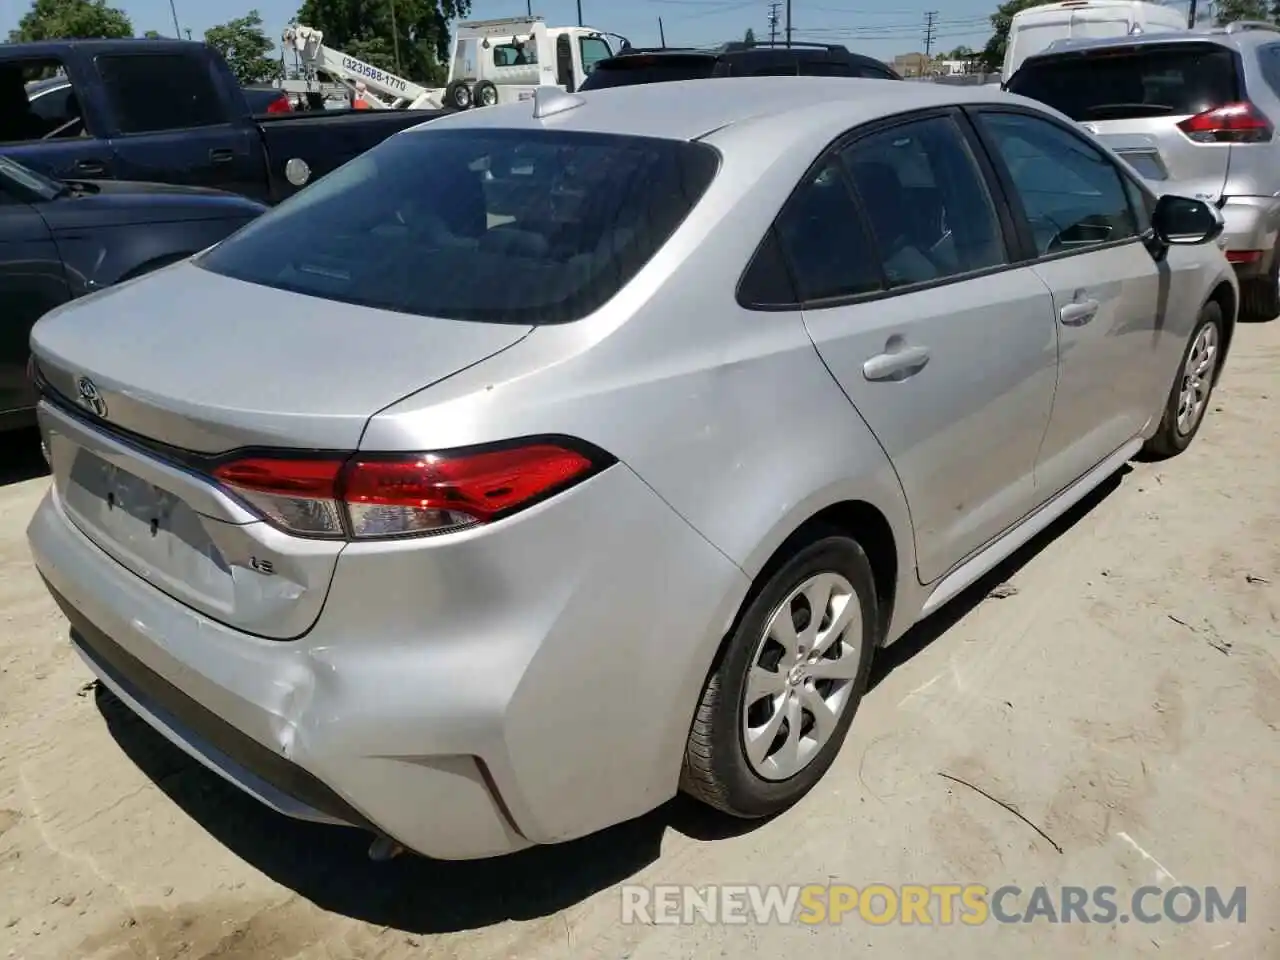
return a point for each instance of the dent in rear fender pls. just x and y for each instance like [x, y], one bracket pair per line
[565, 647]
[774, 457]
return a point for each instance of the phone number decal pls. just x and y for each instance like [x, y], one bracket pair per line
[372, 72]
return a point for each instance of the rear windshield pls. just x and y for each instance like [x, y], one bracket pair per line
[647, 68]
[1138, 82]
[501, 226]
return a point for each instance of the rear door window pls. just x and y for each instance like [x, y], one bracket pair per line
[927, 202]
[500, 226]
[154, 92]
[1136, 82]
[825, 240]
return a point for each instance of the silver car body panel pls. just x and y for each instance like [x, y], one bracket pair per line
[533, 680]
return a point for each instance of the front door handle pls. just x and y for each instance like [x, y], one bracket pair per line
[221, 156]
[897, 364]
[1078, 313]
[91, 168]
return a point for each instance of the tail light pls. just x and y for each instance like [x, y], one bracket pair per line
[373, 496]
[1244, 256]
[1232, 123]
[280, 104]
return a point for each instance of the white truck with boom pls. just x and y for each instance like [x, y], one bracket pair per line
[494, 61]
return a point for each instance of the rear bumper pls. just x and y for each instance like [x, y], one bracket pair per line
[1252, 225]
[468, 698]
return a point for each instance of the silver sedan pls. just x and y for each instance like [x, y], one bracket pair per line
[550, 458]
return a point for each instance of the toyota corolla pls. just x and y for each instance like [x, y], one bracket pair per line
[550, 458]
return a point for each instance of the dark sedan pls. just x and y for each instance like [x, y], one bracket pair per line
[63, 239]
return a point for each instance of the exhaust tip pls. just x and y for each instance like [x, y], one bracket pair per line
[383, 849]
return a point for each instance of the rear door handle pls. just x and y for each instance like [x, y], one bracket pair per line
[93, 168]
[1078, 313]
[896, 365]
[221, 156]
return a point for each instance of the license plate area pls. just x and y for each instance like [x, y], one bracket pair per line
[149, 529]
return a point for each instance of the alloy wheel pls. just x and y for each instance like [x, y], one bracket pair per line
[1197, 379]
[801, 676]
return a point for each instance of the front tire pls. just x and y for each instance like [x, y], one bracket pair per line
[780, 700]
[485, 94]
[1188, 400]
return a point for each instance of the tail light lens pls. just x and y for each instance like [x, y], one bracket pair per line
[280, 104]
[1232, 123]
[372, 496]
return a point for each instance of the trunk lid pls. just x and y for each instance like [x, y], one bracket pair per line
[207, 364]
[146, 381]
[1132, 98]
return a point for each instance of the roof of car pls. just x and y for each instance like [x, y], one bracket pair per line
[689, 109]
[38, 48]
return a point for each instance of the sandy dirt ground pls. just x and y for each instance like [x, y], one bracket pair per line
[1120, 690]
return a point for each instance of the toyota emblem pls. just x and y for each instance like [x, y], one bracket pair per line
[90, 398]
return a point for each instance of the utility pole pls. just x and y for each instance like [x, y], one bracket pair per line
[1191, 16]
[177, 30]
[773, 22]
[930, 21]
[579, 12]
[788, 23]
[662, 34]
[528, 7]
[395, 36]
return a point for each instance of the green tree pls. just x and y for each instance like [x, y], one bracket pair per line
[71, 20]
[993, 52]
[152, 35]
[363, 28]
[1229, 11]
[246, 48]
[750, 35]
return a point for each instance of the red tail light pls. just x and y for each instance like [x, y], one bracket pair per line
[363, 496]
[280, 104]
[1232, 123]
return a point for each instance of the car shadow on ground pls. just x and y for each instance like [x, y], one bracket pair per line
[927, 631]
[20, 457]
[329, 865]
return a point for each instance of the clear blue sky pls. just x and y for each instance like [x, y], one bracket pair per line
[881, 28]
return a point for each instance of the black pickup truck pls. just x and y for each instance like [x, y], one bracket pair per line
[167, 111]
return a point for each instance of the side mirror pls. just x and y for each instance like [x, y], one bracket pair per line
[1185, 221]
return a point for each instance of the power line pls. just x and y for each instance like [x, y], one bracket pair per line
[930, 19]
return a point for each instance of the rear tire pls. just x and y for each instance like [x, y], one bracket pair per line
[774, 712]
[458, 95]
[1193, 384]
[1260, 297]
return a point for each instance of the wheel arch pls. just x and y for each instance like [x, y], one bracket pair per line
[862, 522]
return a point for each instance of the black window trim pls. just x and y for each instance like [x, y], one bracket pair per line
[228, 116]
[1014, 201]
[996, 189]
